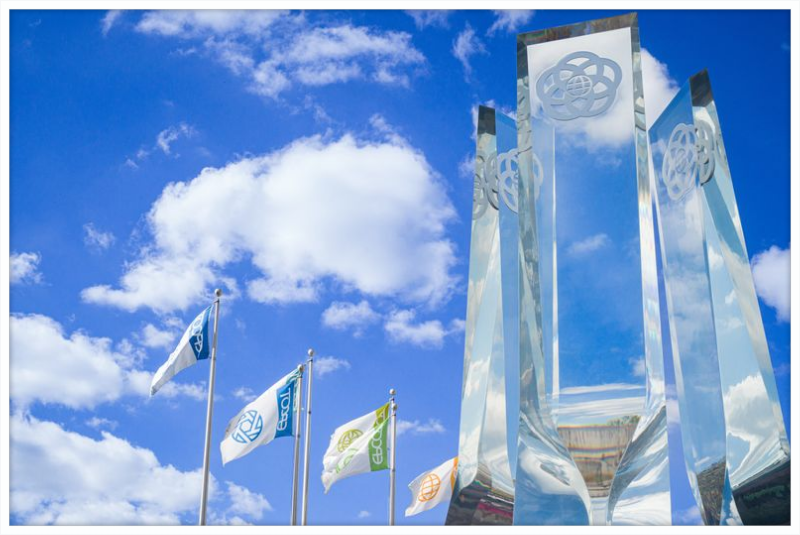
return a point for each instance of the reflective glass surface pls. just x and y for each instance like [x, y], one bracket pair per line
[598, 365]
[734, 438]
[484, 490]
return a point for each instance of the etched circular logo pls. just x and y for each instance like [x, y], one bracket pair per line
[508, 178]
[680, 161]
[582, 84]
[690, 152]
[485, 191]
[705, 151]
[248, 427]
[347, 438]
[429, 488]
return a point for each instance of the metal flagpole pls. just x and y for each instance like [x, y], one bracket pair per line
[309, 367]
[393, 408]
[209, 410]
[296, 464]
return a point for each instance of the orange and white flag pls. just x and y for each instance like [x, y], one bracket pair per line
[432, 488]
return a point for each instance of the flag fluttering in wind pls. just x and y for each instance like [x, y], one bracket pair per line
[268, 417]
[194, 345]
[432, 488]
[357, 447]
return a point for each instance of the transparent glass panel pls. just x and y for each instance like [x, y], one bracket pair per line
[484, 491]
[722, 352]
[584, 156]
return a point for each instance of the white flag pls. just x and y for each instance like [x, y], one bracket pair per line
[432, 488]
[194, 345]
[268, 417]
[356, 447]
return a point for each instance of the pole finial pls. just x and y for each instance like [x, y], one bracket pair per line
[392, 392]
[310, 353]
[218, 292]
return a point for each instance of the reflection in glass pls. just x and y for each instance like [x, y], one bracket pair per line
[589, 307]
[484, 490]
[734, 438]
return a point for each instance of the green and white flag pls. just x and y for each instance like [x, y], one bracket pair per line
[356, 447]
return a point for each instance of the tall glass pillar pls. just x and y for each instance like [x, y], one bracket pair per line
[592, 434]
[484, 489]
[734, 440]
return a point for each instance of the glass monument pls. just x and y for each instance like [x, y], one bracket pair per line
[584, 156]
[734, 440]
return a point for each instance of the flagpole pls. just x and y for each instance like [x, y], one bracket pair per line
[393, 408]
[210, 410]
[310, 368]
[297, 433]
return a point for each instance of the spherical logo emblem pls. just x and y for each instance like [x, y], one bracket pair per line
[429, 488]
[582, 84]
[508, 178]
[248, 427]
[690, 153]
[705, 151]
[680, 161]
[347, 438]
[485, 190]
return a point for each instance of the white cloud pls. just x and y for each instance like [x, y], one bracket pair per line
[424, 18]
[431, 427]
[246, 502]
[342, 315]
[400, 327]
[109, 20]
[466, 45]
[24, 268]
[78, 371]
[688, 517]
[283, 211]
[96, 239]
[65, 478]
[364, 514]
[589, 245]
[637, 366]
[659, 86]
[510, 20]
[276, 49]
[245, 394]
[771, 275]
[203, 22]
[325, 365]
[168, 136]
[62, 477]
[152, 336]
[97, 423]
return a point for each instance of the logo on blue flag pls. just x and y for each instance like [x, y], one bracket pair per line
[249, 427]
[198, 337]
[285, 409]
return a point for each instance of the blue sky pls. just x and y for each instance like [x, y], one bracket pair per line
[317, 167]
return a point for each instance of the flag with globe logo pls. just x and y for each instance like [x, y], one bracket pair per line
[432, 488]
[357, 447]
[268, 417]
[195, 345]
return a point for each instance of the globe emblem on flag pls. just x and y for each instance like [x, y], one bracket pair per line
[347, 438]
[248, 427]
[429, 488]
[582, 84]
[680, 164]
